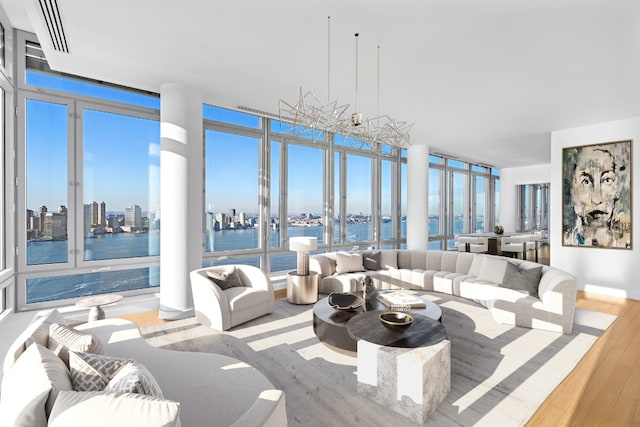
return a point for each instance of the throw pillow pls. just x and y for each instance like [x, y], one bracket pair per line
[37, 331]
[521, 280]
[62, 338]
[347, 262]
[226, 278]
[492, 269]
[31, 386]
[92, 372]
[372, 260]
[134, 378]
[476, 265]
[97, 409]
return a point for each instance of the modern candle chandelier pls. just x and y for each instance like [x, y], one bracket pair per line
[309, 117]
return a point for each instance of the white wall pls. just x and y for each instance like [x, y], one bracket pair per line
[606, 271]
[509, 178]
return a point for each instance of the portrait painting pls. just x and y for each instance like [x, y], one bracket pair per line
[596, 195]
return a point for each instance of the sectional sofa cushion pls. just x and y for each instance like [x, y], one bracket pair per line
[349, 262]
[413, 260]
[63, 338]
[79, 409]
[31, 386]
[525, 280]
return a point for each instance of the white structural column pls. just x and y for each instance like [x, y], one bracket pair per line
[417, 196]
[181, 187]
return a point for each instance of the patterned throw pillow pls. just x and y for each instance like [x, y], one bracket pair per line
[62, 338]
[92, 372]
[134, 378]
[225, 279]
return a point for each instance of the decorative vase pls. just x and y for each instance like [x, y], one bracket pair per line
[367, 288]
[498, 229]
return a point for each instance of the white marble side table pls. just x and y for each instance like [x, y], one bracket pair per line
[96, 302]
[410, 372]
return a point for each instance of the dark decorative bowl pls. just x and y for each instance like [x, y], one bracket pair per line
[396, 321]
[344, 301]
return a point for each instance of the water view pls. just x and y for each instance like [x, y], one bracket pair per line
[131, 245]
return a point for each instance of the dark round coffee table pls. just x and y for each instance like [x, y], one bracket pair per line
[330, 325]
[424, 331]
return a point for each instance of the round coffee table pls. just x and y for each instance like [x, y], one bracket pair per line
[424, 331]
[330, 325]
[95, 303]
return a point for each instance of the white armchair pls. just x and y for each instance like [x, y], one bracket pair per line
[475, 244]
[520, 244]
[223, 309]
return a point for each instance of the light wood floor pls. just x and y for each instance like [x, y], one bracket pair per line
[603, 389]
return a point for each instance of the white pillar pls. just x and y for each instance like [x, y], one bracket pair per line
[181, 187]
[417, 197]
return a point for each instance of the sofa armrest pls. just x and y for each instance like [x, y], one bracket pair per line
[253, 277]
[210, 302]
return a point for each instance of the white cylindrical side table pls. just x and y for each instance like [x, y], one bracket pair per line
[302, 289]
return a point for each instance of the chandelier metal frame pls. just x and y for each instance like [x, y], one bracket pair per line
[309, 117]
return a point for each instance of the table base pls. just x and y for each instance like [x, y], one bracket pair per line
[410, 381]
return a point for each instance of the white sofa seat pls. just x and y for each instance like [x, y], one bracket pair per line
[212, 389]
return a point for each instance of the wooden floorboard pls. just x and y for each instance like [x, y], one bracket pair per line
[604, 388]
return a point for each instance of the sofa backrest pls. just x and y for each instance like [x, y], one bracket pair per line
[412, 259]
[437, 260]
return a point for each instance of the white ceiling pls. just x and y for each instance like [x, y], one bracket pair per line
[482, 80]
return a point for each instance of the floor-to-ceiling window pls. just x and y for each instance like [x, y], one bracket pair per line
[403, 197]
[231, 191]
[463, 198]
[435, 200]
[479, 199]
[88, 158]
[533, 208]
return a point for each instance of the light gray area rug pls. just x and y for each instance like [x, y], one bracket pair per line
[500, 375]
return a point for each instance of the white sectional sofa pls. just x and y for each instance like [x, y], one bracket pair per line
[197, 389]
[516, 292]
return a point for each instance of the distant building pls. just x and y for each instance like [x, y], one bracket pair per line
[221, 222]
[54, 226]
[42, 210]
[133, 217]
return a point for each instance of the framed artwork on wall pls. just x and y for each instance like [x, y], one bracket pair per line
[596, 195]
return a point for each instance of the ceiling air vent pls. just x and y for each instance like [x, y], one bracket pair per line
[51, 15]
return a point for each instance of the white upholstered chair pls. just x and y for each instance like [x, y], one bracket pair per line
[475, 244]
[520, 244]
[223, 309]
